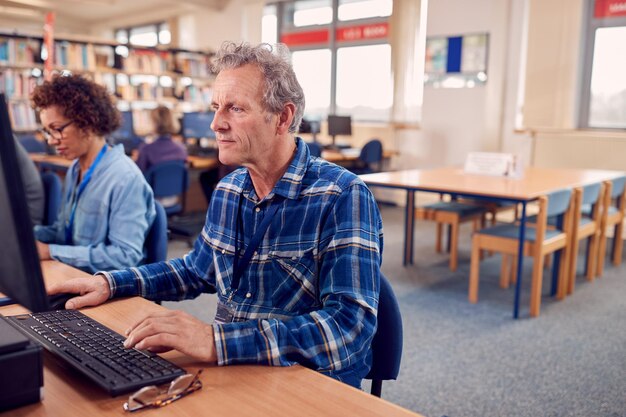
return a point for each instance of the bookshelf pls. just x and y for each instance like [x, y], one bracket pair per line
[140, 77]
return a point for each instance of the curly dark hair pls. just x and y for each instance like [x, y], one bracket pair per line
[87, 104]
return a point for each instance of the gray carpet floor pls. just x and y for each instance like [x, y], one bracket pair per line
[463, 359]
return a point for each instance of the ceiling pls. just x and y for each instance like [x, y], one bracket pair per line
[97, 12]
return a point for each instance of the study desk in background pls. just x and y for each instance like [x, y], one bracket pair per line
[227, 391]
[534, 183]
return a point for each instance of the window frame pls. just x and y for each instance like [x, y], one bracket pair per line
[158, 26]
[591, 26]
[332, 44]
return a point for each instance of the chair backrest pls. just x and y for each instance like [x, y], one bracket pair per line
[372, 152]
[387, 342]
[618, 187]
[156, 241]
[315, 149]
[32, 145]
[52, 188]
[168, 179]
[591, 193]
[558, 202]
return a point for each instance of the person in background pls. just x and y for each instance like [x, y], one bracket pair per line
[33, 187]
[107, 207]
[162, 149]
[292, 244]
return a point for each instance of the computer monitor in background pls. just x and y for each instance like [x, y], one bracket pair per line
[125, 134]
[197, 132]
[310, 126]
[20, 273]
[339, 125]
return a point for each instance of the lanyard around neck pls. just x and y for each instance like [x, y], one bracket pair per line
[73, 197]
[239, 265]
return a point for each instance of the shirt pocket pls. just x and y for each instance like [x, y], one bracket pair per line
[89, 221]
[294, 278]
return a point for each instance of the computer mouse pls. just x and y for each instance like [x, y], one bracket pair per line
[57, 301]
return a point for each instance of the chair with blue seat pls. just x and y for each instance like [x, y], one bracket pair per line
[585, 227]
[613, 212]
[52, 188]
[452, 213]
[539, 241]
[315, 149]
[387, 342]
[156, 241]
[169, 179]
[370, 158]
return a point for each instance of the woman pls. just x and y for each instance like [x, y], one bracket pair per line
[108, 207]
[163, 148]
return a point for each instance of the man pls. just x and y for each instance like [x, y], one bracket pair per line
[308, 292]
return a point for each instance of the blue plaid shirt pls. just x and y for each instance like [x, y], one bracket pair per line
[310, 292]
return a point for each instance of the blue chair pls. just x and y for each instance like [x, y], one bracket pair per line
[614, 211]
[539, 241]
[32, 145]
[169, 179]
[52, 188]
[387, 343]
[370, 158]
[315, 149]
[156, 241]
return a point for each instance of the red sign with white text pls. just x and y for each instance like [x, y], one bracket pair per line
[343, 34]
[363, 32]
[609, 8]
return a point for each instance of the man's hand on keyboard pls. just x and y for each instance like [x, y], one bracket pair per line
[165, 330]
[93, 291]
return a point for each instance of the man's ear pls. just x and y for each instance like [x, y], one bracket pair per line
[285, 118]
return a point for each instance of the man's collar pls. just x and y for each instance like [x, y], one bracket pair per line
[290, 183]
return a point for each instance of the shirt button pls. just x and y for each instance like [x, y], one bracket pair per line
[257, 209]
[223, 292]
[223, 251]
[248, 295]
[293, 258]
[256, 253]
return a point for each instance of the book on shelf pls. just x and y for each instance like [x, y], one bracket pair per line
[17, 84]
[19, 52]
[22, 116]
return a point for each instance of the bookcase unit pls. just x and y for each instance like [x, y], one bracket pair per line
[140, 77]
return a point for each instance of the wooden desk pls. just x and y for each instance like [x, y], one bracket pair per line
[349, 155]
[534, 183]
[227, 391]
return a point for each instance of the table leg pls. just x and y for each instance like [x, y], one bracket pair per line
[409, 218]
[520, 259]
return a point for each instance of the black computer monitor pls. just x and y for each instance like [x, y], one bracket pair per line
[126, 131]
[310, 126]
[339, 125]
[20, 273]
[197, 125]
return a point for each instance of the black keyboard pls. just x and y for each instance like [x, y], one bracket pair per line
[96, 351]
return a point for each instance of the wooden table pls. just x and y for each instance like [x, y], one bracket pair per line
[349, 155]
[534, 183]
[227, 391]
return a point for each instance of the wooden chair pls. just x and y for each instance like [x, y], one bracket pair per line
[585, 227]
[453, 214]
[613, 210]
[539, 241]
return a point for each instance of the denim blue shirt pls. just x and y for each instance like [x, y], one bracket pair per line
[113, 216]
[310, 292]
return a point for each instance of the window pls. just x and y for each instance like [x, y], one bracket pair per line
[357, 95]
[146, 35]
[343, 65]
[313, 70]
[603, 99]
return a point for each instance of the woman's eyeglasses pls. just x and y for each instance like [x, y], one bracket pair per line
[153, 397]
[55, 132]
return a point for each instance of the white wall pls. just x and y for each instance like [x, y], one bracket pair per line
[239, 21]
